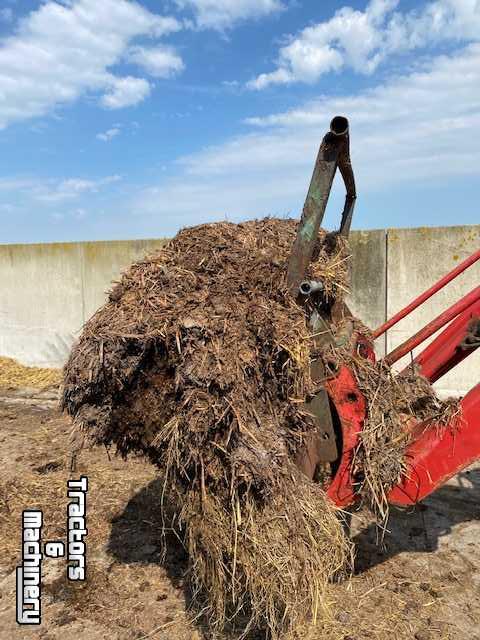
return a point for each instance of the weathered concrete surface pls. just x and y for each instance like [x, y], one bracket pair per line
[369, 285]
[48, 291]
[103, 262]
[41, 301]
[416, 259]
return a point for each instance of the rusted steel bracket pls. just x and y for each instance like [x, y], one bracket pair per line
[334, 152]
[345, 166]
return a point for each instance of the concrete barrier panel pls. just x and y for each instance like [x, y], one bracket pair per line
[104, 262]
[369, 280]
[417, 258]
[41, 302]
[48, 291]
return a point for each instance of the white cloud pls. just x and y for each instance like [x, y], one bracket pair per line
[52, 191]
[77, 214]
[222, 14]
[70, 188]
[415, 127]
[62, 51]
[108, 135]
[126, 92]
[68, 199]
[160, 62]
[361, 40]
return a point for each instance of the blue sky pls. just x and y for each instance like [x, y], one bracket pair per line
[123, 119]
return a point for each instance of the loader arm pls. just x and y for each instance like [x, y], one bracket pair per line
[436, 452]
[440, 452]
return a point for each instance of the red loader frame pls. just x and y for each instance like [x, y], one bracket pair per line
[435, 454]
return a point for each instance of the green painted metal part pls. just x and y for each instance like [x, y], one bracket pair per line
[334, 152]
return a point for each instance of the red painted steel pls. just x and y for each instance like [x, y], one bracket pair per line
[445, 351]
[351, 409]
[438, 453]
[427, 294]
[433, 326]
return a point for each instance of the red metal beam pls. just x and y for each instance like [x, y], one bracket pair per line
[351, 409]
[432, 327]
[428, 294]
[439, 453]
[446, 351]
[435, 455]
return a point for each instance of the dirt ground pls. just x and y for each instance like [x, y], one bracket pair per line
[423, 584]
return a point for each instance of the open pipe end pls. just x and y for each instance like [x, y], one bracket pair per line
[339, 126]
[308, 287]
[305, 288]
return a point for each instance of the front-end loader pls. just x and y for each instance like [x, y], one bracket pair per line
[435, 452]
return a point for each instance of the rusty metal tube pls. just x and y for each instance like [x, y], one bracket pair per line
[339, 126]
[334, 152]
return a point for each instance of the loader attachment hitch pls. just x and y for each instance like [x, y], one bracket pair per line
[323, 447]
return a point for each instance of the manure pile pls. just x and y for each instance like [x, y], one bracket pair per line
[200, 360]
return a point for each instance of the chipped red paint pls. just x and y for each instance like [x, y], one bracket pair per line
[351, 409]
[436, 454]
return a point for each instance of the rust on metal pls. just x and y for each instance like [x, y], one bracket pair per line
[334, 152]
[320, 446]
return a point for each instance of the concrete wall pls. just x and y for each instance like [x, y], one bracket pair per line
[48, 291]
[369, 283]
[416, 259]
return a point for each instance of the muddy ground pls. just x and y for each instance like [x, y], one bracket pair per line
[424, 584]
